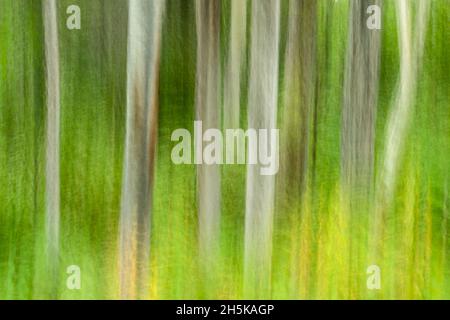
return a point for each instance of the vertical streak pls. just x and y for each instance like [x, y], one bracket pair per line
[144, 37]
[262, 114]
[299, 96]
[52, 183]
[399, 116]
[298, 99]
[236, 57]
[411, 51]
[208, 111]
[360, 100]
[410, 55]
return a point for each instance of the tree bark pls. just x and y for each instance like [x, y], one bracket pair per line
[299, 99]
[360, 101]
[411, 50]
[144, 38]
[262, 114]
[236, 59]
[208, 111]
[52, 183]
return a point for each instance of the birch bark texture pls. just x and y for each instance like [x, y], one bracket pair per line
[360, 101]
[207, 108]
[411, 51]
[52, 168]
[144, 40]
[235, 63]
[262, 114]
[411, 46]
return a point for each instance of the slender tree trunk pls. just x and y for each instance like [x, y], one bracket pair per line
[236, 59]
[299, 99]
[299, 96]
[208, 111]
[262, 114]
[144, 37]
[360, 100]
[410, 54]
[411, 51]
[53, 140]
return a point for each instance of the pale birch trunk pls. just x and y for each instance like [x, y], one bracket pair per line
[208, 111]
[410, 55]
[411, 50]
[52, 183]
[236, 60]
[262, 114]
[360, 101]
[144, 38]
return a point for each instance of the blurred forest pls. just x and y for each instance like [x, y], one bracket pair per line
[86, 177]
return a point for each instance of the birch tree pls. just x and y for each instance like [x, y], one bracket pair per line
[360, 100]
[207, 109]
[411, 50]
[411, 45]
[236, 59]
[299, 99]
[262, 114]
[298, 106]
[52, 175]
[144, 38]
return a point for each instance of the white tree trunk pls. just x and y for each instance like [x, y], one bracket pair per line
[52, 183]
[144, 38]
[410, 55]
[360, 100]
[411, 51]
[208, 111]
[262, 114]
[236, 59]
